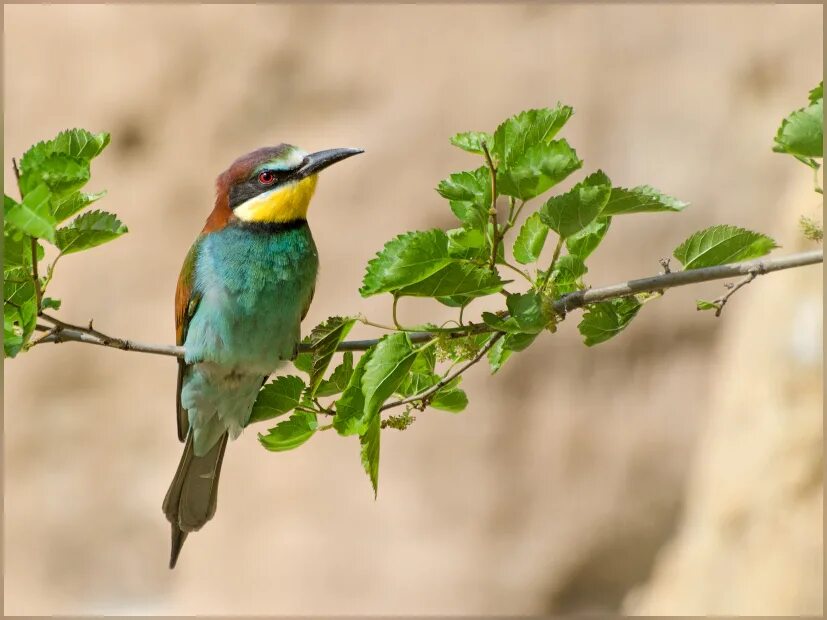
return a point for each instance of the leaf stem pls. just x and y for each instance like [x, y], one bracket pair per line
[393, 311]
[517, 269]
[557, 249]
[495, 235]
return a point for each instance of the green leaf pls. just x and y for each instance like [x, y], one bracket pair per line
[369, 442]
[350, 416]
[19, 310]
[817, 93]
[62, 174]
[516, 135]
[719, 245]
[541, 167]
[405, 260]
[89, 230]
[802, 132]
[339, 378]
[75, 143]
[526, 315]
[641, 199]
[469, 194]
[66, 207]
[33, 216]
[571, 212]
[456, 278]
[324, 339]
[505, 346]
[454, 400]
[468, 244]
[582, 243]
[471, 141]
[281, 395]
[304, 361]
[607, 319]
[421, 375]
[706, 305]
[567, 273]
[291, 433]
[530, 240]
[384, 371]
[17, 248]
[50, 303]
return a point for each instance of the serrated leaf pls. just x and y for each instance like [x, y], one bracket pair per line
[607, 319]
[571, 212]
[469, 194]
[537, 170]
[281, 395]
[77, 143]
[339, 378]
[530, 240]
[324, 339]
[33, 216]
[582, 243]
[407, 259]
[455, 278]
[291, 433]
[802, 132]
[522, 131]
[719, 245]
[369, 442]
[471, 141]
[65, 207]
[89, 230]
[641, 199]
[62, 174]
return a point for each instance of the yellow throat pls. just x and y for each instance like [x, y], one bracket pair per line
[281, 204]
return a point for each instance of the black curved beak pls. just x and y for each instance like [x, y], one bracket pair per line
[316, 162]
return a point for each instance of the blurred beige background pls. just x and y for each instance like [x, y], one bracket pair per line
[675, 469]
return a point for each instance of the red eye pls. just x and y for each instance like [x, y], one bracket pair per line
[266, 178]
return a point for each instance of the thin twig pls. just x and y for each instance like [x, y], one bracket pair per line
[423, 397]
[65, 332]
[721, 301]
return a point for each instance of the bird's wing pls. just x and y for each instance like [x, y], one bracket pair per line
[309, 301]
[186, 302]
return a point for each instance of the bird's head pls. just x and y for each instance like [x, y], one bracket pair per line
[272, 184]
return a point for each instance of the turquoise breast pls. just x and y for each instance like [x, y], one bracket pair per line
[255, 282]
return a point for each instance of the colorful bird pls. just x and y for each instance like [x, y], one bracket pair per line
[244, 288]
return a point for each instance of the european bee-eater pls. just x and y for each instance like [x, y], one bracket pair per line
[244, 288]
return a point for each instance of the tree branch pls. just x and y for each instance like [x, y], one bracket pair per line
[65, 332]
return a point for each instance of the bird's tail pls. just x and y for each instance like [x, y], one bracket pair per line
[191, 499]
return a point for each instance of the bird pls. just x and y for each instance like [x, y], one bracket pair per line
[244, 288]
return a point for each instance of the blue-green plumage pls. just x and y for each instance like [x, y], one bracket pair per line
[254, 285]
